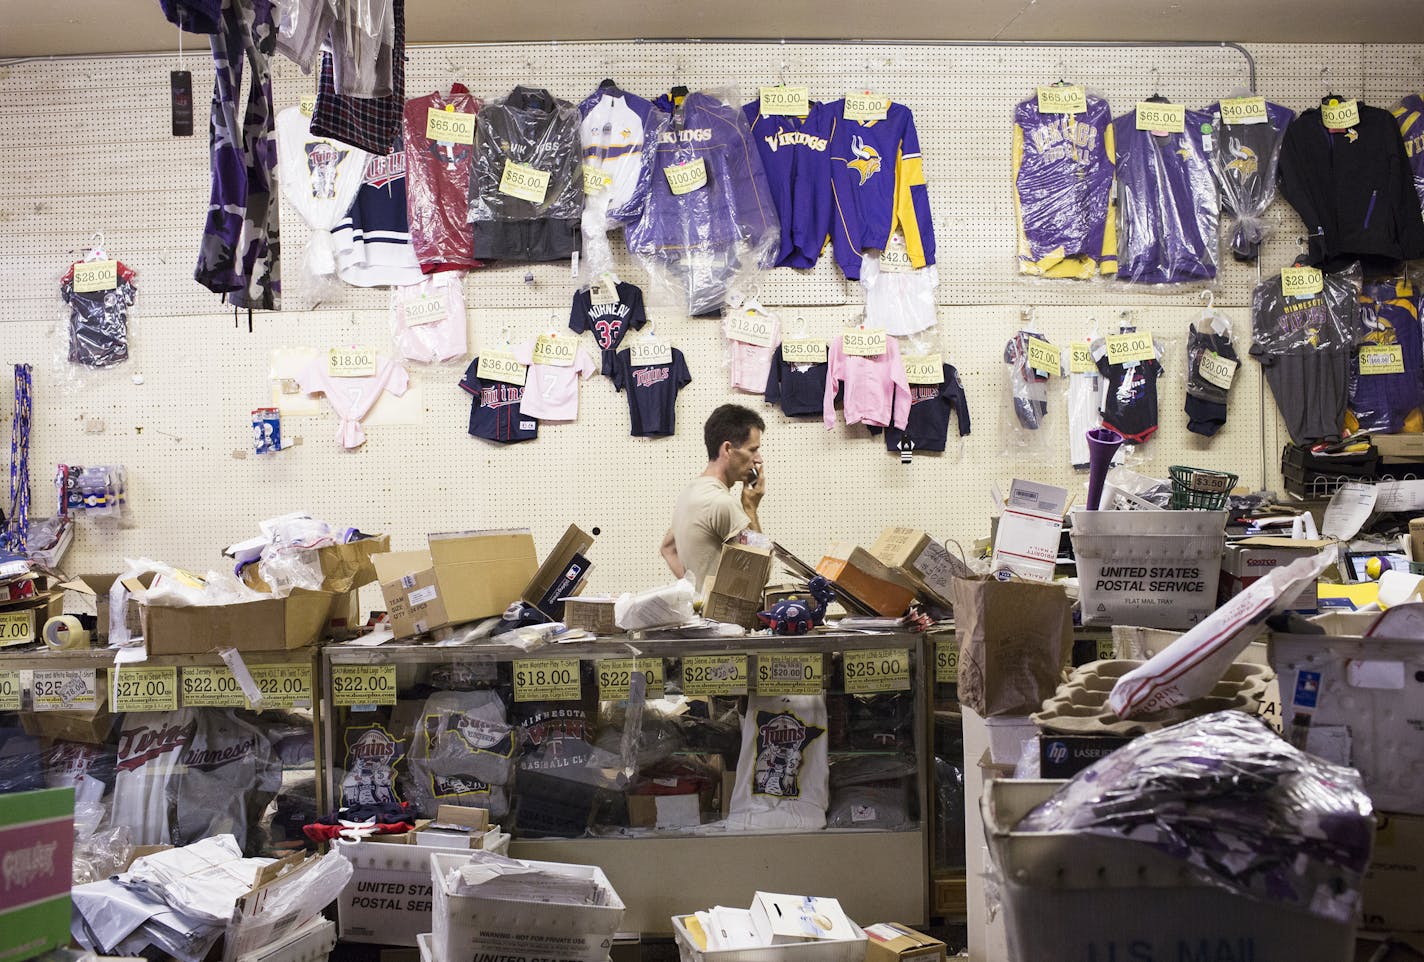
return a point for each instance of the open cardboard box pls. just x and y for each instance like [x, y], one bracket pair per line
[271, 624]
[561, 575]
[920, 559]
[885, 590]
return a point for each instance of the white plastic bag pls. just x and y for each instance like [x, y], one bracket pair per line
[659, 608]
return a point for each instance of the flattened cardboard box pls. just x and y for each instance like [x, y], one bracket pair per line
[591, 614]
[481, 573]
[413, 602]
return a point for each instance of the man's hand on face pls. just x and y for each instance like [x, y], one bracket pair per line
[754, 490]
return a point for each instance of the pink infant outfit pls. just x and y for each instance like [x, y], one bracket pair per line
[551, 392]
[353, 397]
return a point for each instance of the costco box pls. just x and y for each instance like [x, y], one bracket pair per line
[591, 614]
[272, 624]
[1251, 559]
[896, 942]
[413, 602]
[920, 558]
[481, 573]
[563, 573]
[1394, 886]
[858, 571]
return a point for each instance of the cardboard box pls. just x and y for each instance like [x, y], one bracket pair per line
[254, 924]
[273, 624]
[1403, 447]
[413, 601]
[1063, 756]
[732, 611]
[591, 614]
[562, 574]
[467, 828]
[896, 942]
[92, 591]
[1416, 538]
[1393, 890]
[742, 572]
[664, 811]
[921, 559]
[39, 609]
[481, 573]
[870, 580]
[795, 919]
[1251, 559]
[37, 845]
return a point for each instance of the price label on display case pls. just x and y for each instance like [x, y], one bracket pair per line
[547, 679]
[64, 689]
[947, 662]
[211, 686]
[704, 675]
[615, 675]
[289, 686]
[797, 673]
[876, 669]
[9, 691]
[363, 685]
[17, 627]
[146, 688]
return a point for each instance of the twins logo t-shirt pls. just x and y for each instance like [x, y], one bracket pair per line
[608, 322]
[652, 392]
[494, 412]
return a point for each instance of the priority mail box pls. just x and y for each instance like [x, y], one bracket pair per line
[413, 601]
[1251, 559]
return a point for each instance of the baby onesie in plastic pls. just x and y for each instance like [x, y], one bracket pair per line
[98, 321]
[1212, 361]
[1085, 389]
[428, 319]
[320, 178]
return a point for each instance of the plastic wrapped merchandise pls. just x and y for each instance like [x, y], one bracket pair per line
[1245, 166]
[526, 190]
[1063, 172]
[97, 311]
[1241, 808]
[782, 774]
[463, 752]
[1030, 426]
[657, 608]
[1167, 208]
[618, 133]
[709, 223]
[1212, 361]
[1084, 396]
[320, 178]
[437, 181]
[1130, 392]
[1387, 397]
[1409, 114]
[428, 319]
[1304, 344]
[897, 297]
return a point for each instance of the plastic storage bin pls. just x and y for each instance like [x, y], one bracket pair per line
[847, 950]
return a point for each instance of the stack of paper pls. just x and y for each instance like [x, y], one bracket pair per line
[499, 877]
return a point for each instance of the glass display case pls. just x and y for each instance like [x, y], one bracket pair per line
[727, 764]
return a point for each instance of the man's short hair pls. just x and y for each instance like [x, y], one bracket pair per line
[730, 422]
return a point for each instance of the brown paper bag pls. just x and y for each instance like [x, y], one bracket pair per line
[1014, 639]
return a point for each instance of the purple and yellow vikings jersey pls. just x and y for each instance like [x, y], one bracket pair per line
[1063, 173]
[795, 152]
[1389, 403]
[617, 133]
[494, 412]
[1166, 202]
[877, 187]
[1409, 113]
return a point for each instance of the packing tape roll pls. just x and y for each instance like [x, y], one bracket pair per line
[65, 633]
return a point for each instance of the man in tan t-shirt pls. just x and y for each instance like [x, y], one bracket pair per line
[708, 514]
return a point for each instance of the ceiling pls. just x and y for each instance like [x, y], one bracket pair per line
[43, 27]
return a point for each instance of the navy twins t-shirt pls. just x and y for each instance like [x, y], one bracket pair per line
[608, 322]
[494, 412]
[652, 392]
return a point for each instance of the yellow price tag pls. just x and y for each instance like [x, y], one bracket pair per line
[1044, 358]
[809, 350]
[1105, 649]
[650, 351]
[96, 276]
[362, 685]
[1069, 99]
[555, 350]
[495, 366]
[1162, 118]
[947, 662]
[615, 675]
[9, 691]
[1301, 281]
[785, 101]
[1125, 348]
[704, 675]
[864, 341]
[17, 627]
[1340, 116]
[749, 327]
[351, 362]
[524, 182]
[1381, 359]
[211, 686]
[425, 310]
[307, 105]
[547, 679]
[146, 688]
[798, 673]
[1218, 370]
[876, 669]
[286, 686]
[447, 126]
[685, 178]
[64, 689]
[1244, 110]
[1080, 358]
[865, 107]
[595, 180]
[923, 368]
[895, 259]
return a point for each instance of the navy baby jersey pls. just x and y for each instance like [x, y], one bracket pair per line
[652, 392]
[795, 151]
[799, 388]
[1130, 404]
[608, 322]
[494, 412]
[930, 407]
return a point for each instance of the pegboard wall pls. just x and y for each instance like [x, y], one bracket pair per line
[87, 148]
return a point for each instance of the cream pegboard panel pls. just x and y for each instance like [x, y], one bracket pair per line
[85, 153]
